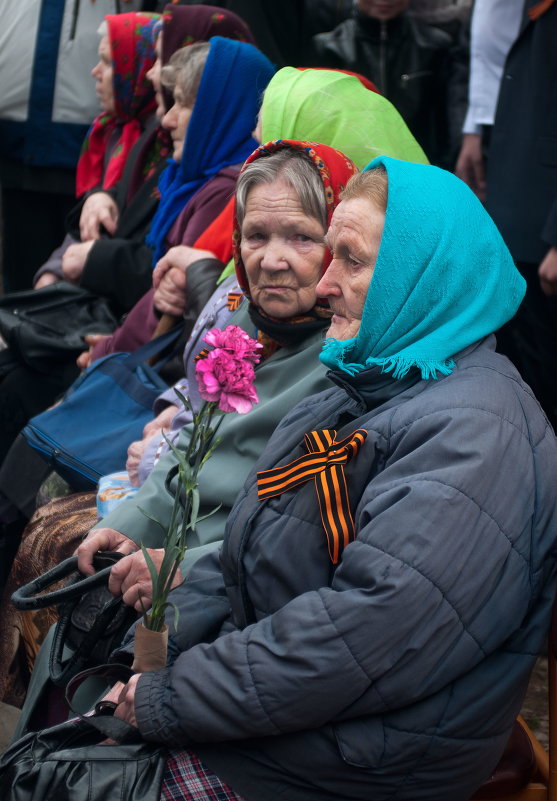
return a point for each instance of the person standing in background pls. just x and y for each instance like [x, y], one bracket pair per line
[47, 102]
[510, 164]
[410, 62]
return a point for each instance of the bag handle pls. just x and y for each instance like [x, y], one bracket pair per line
[60, 671]
[25, 598]
[103, 719]
[154, 346]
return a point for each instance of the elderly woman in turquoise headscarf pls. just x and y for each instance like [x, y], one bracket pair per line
[389, 567]
[325, 106]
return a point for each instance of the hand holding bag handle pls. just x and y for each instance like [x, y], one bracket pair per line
[91, 621]
[70, 761]
[25, 597]
[103, 719]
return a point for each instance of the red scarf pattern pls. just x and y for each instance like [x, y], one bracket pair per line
[133, 54]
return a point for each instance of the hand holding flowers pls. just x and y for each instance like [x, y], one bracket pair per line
[225, 375]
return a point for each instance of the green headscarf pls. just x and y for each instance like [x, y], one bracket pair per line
[336, 109]
[443, 279]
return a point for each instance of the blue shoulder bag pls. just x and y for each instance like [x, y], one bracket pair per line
[87, 434]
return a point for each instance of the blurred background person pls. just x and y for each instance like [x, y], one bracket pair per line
[47, 103]
[410, 62]
[508, 156]
[127, 100]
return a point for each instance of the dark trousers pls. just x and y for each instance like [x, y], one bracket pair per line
[33, 225]
[530, 341]
[24, 393]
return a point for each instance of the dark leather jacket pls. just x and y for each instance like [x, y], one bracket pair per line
[409, 62]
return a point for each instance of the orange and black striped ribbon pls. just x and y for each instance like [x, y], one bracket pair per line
[324, 462]
[536, 11]
[234, 299]
[202, 354]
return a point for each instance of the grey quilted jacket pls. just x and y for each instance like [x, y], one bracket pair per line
[398, 672]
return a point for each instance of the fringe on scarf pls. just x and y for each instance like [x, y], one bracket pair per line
[334, 352]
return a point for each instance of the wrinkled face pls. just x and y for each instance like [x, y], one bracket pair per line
[282, 250]
[176, 121]
[383, 9]
[354, 238]
[154, 75]
[102, 73]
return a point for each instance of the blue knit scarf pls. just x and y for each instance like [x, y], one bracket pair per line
[443, 279]
[219, 132]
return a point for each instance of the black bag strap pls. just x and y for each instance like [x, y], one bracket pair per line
[62, 292]
[60, 671]
[25, 597]
[103, 719]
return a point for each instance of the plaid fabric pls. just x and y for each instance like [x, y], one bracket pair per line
[186, 779]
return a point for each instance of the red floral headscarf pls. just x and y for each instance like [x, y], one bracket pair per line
[334, 169]
[132, 43]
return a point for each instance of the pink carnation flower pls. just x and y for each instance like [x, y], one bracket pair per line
[226, 374]
[234, 339]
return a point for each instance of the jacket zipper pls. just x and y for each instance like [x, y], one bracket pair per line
[408, 76]
[383, 58]
[75, 15]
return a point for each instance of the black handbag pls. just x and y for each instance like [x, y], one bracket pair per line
[42, 327]
[68, 762]
[92, 621]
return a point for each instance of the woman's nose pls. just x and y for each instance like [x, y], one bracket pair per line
[168, 119]
[274, 256]
[326, 285]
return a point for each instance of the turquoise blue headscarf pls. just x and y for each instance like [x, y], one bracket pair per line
[443, 279]
[219, 132]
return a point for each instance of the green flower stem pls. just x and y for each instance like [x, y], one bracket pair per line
[184, 510]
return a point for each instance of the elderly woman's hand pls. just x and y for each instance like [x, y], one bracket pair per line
[123, 695]
[45, 280]
[170, 295]
[470, 166]
[84, 359]
[180, 256]
[126, 700]
[136, 450]
[161, 422]
[169, 278]
[548, 272]
[153, 428]
[73, 260]
[101, 539]
[99, 209]
[131, 579]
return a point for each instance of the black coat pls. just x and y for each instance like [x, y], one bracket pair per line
[411, 65]
[522, 161]
[120, 267]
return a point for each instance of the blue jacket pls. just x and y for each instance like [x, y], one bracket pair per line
[397, 673]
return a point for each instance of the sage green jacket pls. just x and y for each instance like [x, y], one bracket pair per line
[288, 376]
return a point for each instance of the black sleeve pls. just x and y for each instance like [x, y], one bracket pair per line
[74, 215]
[549, 233]
[120, 270]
